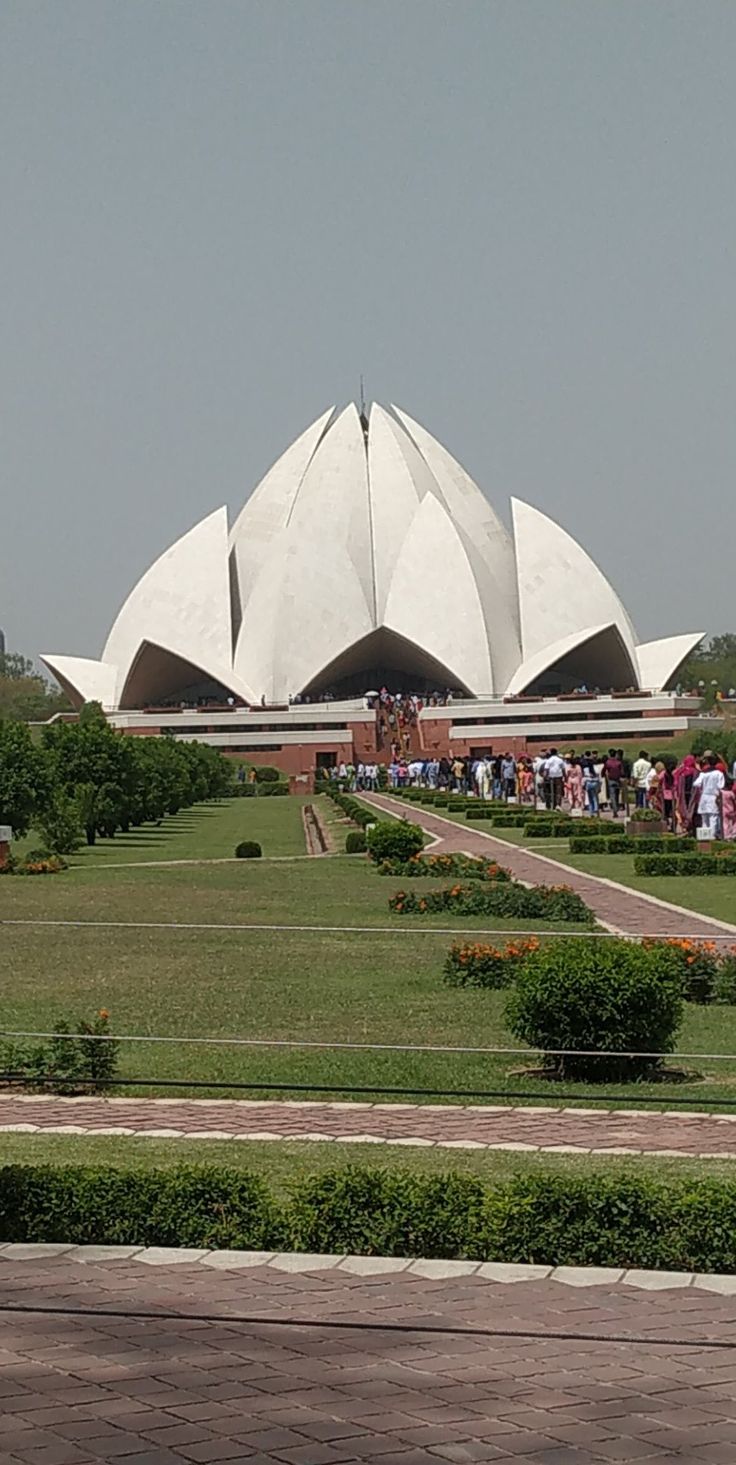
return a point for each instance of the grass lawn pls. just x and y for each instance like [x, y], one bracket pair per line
[283, 1163]
[205, 832]
[372, 986]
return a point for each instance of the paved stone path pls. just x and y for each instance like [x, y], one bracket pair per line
[447, 1126]
[80, 1390]
[614, 905]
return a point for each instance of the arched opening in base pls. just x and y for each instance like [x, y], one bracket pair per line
[383, 659]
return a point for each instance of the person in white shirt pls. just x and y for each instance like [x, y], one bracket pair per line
[707, 788]
[553, 771]
[640, 778]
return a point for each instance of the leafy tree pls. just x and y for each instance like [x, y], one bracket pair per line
[24, 695]
[60, 824]
[24, 777]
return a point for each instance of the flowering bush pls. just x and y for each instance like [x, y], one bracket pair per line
[707, 970]
[590, 996]
[497, 898]
[37, 862]
[467, 866]
[473, 964]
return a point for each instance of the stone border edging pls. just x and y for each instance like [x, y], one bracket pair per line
[365, 1266]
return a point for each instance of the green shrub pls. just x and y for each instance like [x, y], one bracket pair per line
[65, 1064]
[248, 849]
[272, 790]
[619, 1218]
[703, 864]
[388, 1213]
[355, 843]
[699, 963]
[60, 824]
[724, 987]
[267, 774]
[99, 1205]
[632, 844]
[245, 790]
[394, 840]
[598, 995]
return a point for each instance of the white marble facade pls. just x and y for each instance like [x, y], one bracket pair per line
[366, 535]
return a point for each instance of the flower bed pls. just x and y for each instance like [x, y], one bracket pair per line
[444, 866]
[475, 964]
[497, 898]
[718, 863]
[35, 863]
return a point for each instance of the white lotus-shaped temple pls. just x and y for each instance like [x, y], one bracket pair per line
[368, 556]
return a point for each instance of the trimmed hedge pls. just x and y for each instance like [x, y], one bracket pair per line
[355, 842]
[359, 813]
[621, 1219]
[631, 844]
[248, 849]
[710, 864]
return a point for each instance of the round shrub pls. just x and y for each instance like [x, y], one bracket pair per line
[355, 842]
[394, 840]
[601, 995]
[267, 774]
[248, 849]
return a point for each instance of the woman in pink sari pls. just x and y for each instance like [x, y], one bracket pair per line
[574, 784]
[728, 809]
[685, 775]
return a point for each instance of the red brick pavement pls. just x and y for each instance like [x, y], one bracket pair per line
[613, 905]
[81, 1390]
[606, 1131]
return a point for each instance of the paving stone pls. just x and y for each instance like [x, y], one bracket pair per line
[512, 1272]
[237, 1260]
[657, 1281]
[168, 1256]
[372, 1266]
[587, 1276]
[296, 1261]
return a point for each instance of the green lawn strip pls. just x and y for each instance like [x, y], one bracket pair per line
[283, 1162]
[206, 831]
[317, 986]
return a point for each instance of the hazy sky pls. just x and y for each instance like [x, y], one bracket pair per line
[517, 218]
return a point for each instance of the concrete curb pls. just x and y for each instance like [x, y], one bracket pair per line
[431, 1268]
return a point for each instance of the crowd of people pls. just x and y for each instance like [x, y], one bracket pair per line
[695, 796]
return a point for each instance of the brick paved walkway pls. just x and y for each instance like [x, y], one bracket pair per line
[81, 1390]
[614, 905]
[450, 1126]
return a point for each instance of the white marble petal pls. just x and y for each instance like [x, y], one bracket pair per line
[395, 493]
[266, 512]
[489, 547]
[561, 589]
[434, 600]
[659, 660]
[609, 651]
[182, 604]
[83, 680]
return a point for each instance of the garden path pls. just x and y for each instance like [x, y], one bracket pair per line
[545, 1130]
[620, 909]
